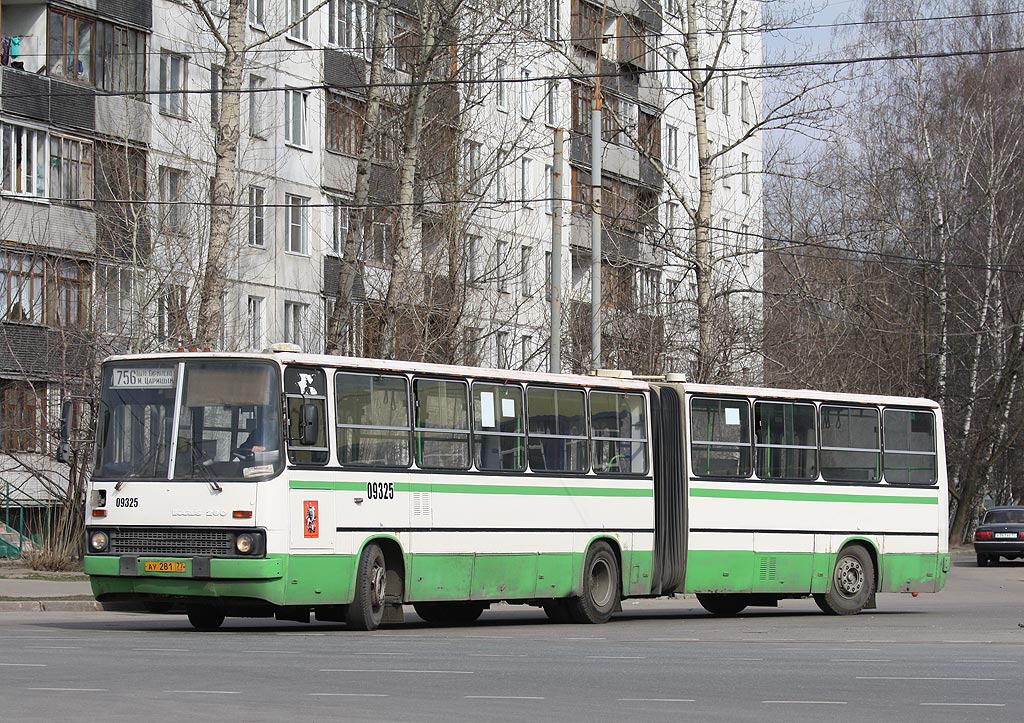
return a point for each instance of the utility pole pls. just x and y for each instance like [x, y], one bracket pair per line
[595, 193]
[555, 356]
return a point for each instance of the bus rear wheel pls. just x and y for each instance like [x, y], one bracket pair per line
[449, 613]
[852, 584]
[204, 617]
[602, 587]
[367, 608]
[722, 604]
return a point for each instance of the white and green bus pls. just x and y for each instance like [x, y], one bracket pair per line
[287, 484]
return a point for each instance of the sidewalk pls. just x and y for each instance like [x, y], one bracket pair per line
[23, 589]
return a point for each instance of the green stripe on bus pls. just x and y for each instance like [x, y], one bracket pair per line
[478, 489]
[811, 496]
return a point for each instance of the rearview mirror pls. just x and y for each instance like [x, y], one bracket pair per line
[309, 424]
[67, 411]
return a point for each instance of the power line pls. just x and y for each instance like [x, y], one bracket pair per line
[516, 81]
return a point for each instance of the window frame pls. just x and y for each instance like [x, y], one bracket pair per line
[419, 432]
[758, 446]
[478, 432]
[290, 226]
[934, 453]
[693, 443]
[407, 429]
[584, 437]
[595, 439]
[822, 448]
[173, 98]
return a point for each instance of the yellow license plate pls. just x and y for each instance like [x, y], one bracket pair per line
[164, 566]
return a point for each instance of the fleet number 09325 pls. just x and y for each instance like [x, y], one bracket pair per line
[380, 490]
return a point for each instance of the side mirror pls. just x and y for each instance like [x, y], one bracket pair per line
[309, 424]
[67, 411]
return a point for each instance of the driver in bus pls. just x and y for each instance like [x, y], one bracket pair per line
[259, 440]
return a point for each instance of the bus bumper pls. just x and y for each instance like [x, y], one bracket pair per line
[125, 579]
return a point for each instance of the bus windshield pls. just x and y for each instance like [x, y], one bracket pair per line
[220, 420]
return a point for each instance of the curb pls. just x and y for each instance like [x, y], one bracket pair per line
[61, 606]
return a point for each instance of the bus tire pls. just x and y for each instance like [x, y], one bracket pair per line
[982, 560]
[602, 587]
[852, 584]
[722, 604]
[204, 617]
[367, 608]
[449, 613]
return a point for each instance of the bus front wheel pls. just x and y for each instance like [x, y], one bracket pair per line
[722, 604]
[367, 608]
[204, 617]
[602, 587]
[853, 582]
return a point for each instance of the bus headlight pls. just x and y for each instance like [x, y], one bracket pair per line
[99, 541]
[245, 543]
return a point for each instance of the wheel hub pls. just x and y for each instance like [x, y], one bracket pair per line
[377, 586]
[849, 577]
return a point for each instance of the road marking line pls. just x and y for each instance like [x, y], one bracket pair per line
[364, 670]
[402, 654]
[586, 638]
[351, 695]
[860, 660]
[497, 655]
[978, 705]
[211, 692]
[616, 657]
[58, 647]
[278, 652]
[657, 700]
[749, 660]
[160, 650]
[807, 702]
[74, 690]
[506, 697]
[673, 640]
[896, 677]
[24, 665]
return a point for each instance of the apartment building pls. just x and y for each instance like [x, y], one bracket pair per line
[110, 113]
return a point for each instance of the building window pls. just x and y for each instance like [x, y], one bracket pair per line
[257, 109]
[113, 300]
[551, 17]
[41, 290]
[501, 175]
[525, 109]
[471, 166]
[550, 99]
[725, 94]
[297, 230]
[500, 88]
[501, 341]
[709, 93]
[296, 109]
[743, 32]
[257, 216]
[525, 184]
[120, 59]
[70, 47]
[294, 321]
[298, 13]
[525, 351]
[24, 164]
[725, 165]
[344, 124]
[350, 25]
[258, 13]
[23, 416]
[525, 264]
[71, 171]
[339, 221]
[745, 172]
[691, 159]
[254, 323]
[501, 265]
[173, 81]
[671, 61]
[172, 199]
[745, 101]
[671, 146]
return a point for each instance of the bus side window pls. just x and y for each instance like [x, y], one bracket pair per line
[619, 431]
[850, 445]
[372, 419]
[557, 429]
[720, 437]
[306, 391]
[442, 424]
[499, 431]
[909, 456]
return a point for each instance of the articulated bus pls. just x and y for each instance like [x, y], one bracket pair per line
[288, 485]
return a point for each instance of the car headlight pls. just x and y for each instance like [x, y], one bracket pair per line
[245, 543]
[99, 541]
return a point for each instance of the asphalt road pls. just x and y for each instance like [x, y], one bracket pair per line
[954, 656]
